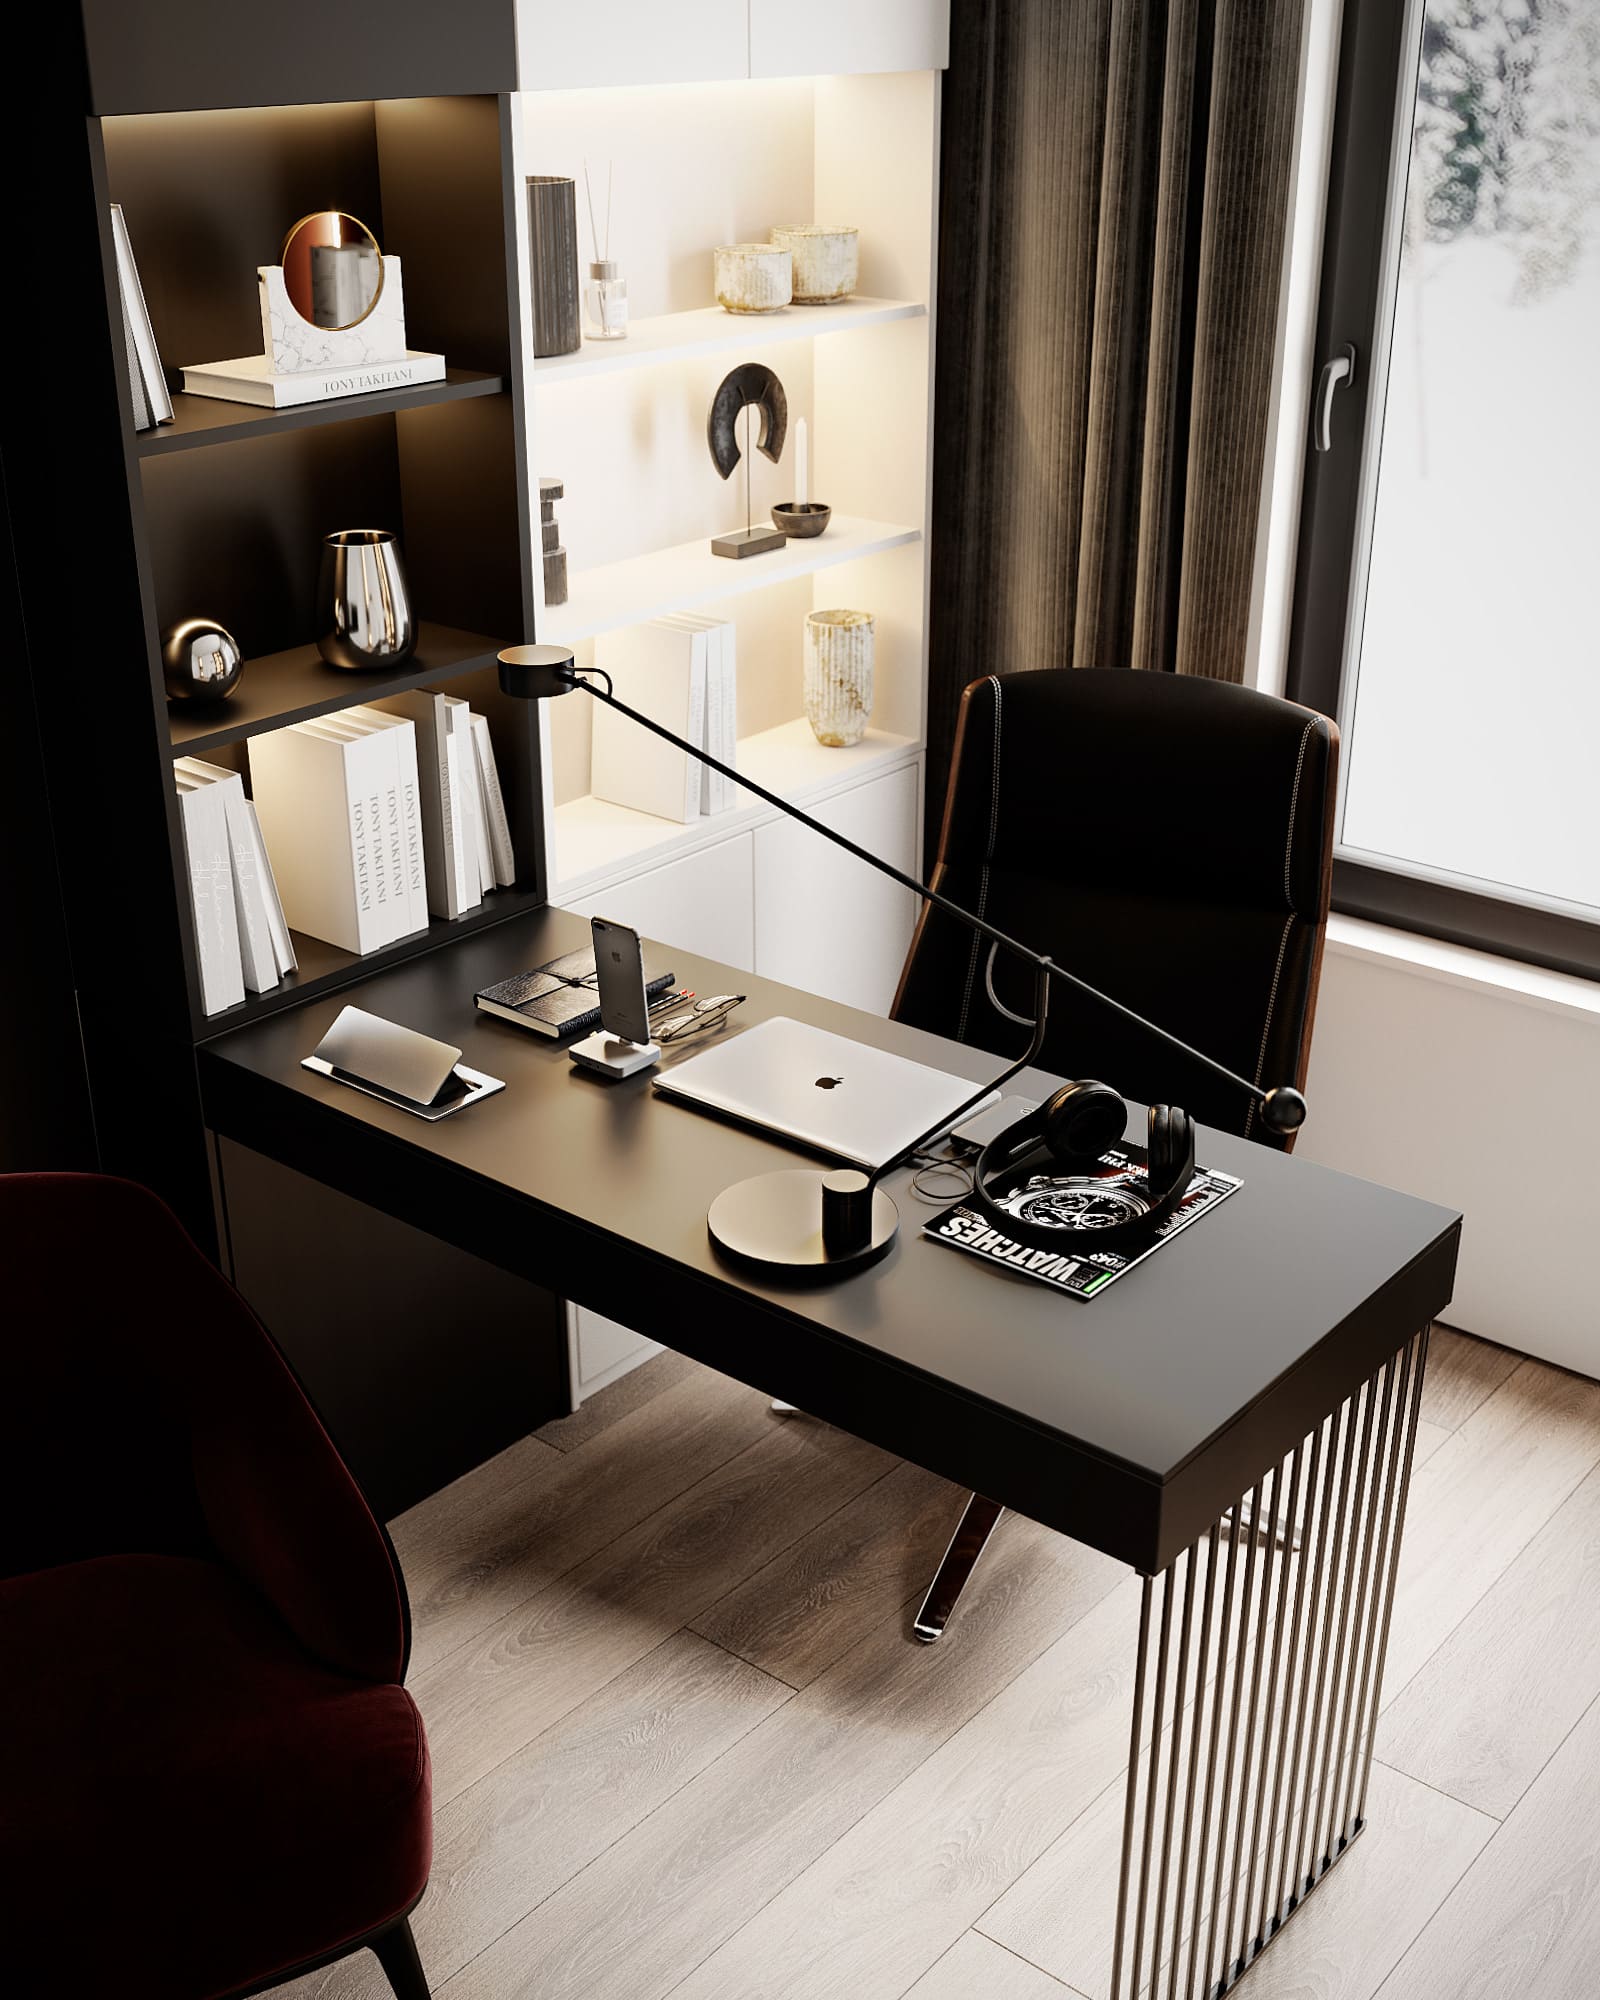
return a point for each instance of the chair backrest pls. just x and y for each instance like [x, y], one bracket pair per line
[146, 1409]
[1167, 838]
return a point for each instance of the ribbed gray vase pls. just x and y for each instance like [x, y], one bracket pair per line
[553, 222]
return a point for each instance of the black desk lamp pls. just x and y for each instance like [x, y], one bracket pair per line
[809, 1221]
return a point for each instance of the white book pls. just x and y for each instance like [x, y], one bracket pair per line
[257, 956]
[480, 861]
[494, 804]
[277, 924]
[376, 806]
[403, 818]
[658, 669]
[312, 793]
[144, 337]
[216, 920]
[252, 379]
[443, 834]
[707, 631]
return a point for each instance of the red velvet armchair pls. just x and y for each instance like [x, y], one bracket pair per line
[211, 1777]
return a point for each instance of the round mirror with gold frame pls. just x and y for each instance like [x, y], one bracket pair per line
[332, 269]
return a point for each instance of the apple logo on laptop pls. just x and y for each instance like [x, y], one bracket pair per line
[829, 1082]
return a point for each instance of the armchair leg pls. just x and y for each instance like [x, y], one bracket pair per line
[960, 1559]
[397, 1953]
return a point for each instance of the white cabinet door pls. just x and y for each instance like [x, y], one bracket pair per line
[847, 37]
[578, 44]
[600, 1349]
[827, 922]
[703, 903]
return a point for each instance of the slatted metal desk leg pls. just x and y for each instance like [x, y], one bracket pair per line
[1256, 1697]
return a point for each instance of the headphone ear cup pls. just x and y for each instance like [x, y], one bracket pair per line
[1171, 1148]
[1080, 1120]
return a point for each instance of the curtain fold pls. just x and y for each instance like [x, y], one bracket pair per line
[1114, 209]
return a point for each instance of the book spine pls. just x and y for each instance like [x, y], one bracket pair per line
[255, 937]
[730, 713]
[696, 731]
[144, 337]
[216, 924]
[373, 766]
[505, 861]
[477, 867]
[277, 925]
[414, 857]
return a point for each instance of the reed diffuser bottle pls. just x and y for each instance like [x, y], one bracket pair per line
[605, 293]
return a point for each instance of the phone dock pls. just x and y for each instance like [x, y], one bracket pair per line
[610, 1055]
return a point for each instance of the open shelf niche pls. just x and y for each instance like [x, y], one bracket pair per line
[623, 424]
[232, 502]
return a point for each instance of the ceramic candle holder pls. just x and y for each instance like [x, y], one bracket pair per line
[827, 261]
[752, 277]
[801, 522]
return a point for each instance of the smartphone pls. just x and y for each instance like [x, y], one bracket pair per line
[619, 968]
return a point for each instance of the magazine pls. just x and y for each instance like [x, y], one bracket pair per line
[1114, 1190]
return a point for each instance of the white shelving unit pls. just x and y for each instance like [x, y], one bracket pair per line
[709, 330]
[718, 119]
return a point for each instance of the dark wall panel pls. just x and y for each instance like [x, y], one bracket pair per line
[165, 54]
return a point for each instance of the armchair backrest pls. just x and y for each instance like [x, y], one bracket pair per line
[145, 1408]
[1166, 837]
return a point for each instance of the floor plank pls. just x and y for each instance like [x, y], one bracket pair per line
[636, 1922]
[975, 1969]
[617, 1400]
[889, 1897]
[1505, 1689]
[807, 1606]
[1462, 1374]
[496, 1537]
[540, 1661]
[1481, 1499]
[1525, 1918]
[1429, 1439]
[1354, 1929]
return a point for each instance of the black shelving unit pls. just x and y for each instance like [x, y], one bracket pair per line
[401, 115]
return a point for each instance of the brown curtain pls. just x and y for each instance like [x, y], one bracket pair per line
[1114, 204]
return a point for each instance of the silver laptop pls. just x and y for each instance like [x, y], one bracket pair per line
[838, 1097]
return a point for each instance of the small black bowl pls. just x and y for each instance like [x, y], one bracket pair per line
[804, 521]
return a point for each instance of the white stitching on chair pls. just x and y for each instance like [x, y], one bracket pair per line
[983, 879]
[1266, 1026]
[1294, 803]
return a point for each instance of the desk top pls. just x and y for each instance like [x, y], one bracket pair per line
[1131, 1421]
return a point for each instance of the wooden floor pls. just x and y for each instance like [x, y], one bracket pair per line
[683, 1743]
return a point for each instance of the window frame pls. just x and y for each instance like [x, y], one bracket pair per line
[1379, 58]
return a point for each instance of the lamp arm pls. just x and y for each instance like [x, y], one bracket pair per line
[1283, 1108]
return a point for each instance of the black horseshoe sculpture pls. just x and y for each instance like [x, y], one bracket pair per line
[755, 383]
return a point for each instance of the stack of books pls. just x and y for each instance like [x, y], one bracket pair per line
[241, 934]
[681, 672]
[381, 816]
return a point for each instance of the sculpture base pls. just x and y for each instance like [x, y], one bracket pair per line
[748, 542]
[772, 1224]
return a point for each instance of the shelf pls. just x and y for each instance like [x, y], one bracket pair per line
[626, 593]
[595, 838]
[199, 420]
[324, 968]
[279, 688]
[710, 330]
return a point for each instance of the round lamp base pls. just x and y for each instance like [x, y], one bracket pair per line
[772, 1223]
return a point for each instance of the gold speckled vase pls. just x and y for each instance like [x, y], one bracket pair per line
[838, 675]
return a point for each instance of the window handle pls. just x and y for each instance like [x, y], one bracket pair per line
[1338, 372]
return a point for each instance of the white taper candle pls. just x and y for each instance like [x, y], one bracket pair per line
[800, 494]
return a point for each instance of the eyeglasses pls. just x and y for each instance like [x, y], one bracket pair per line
[700, 1019]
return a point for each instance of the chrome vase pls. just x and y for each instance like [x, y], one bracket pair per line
[364, 603]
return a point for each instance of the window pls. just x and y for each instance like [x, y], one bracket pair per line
[1448, 588]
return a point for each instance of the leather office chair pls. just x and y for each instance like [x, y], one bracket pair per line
[1169, 838]
[213, 1778]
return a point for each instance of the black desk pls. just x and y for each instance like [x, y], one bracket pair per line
[1234, 1419]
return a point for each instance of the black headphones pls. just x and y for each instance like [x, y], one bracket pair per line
[1072, 1128]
